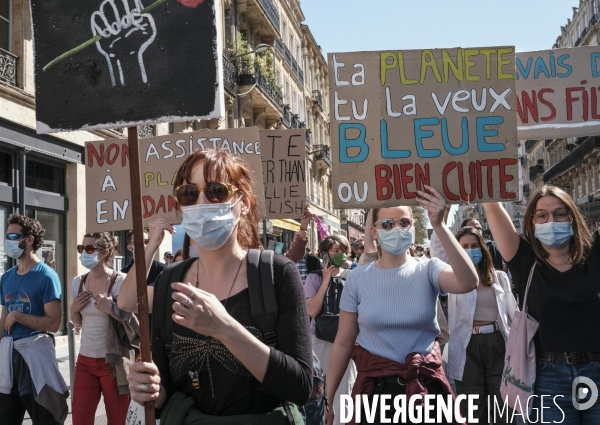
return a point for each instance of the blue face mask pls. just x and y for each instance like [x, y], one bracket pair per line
[89, 261]
[209, 225]
[475, 255]
[12, 249]
[396, 240]
[554, 234]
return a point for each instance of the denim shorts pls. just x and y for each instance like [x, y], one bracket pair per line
[559, 397]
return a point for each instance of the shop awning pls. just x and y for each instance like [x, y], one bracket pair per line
[287, 223]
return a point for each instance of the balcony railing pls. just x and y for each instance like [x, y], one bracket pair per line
[230, 74]
[271, 12]
[296, 69]
[525, 188]
[8, 67]
[594, 20]
[295, 121]
[317, 98]
[286, 116]
[307, 139]
[253, 75]
[146, 130]
[576, 156]
[584, 32]
[535, 170]
[578, 42]
[279, 47]
[324, 155]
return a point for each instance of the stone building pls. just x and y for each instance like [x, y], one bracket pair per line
[572, 164]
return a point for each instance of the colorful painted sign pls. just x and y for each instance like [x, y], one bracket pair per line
[405, 118]
[108, 191]
[558, 93]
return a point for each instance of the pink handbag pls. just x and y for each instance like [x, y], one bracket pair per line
[518, 377]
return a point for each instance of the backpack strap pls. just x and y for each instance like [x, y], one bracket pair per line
[261, 289]
[113, 279]
[162, 305]
[82, 280]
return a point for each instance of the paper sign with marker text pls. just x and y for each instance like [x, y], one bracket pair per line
[403, 119]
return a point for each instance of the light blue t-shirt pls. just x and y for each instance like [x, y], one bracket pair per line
[396, 307]
[28, 294]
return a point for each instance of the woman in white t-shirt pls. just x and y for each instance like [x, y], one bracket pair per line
[91, 307]
[389, 309]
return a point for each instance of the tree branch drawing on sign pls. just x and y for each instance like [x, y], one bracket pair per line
[126, 33]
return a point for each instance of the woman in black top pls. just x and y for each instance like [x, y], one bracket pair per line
[564, 298]
[218, 357]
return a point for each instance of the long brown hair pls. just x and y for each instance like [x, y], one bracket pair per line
[580, 243]
[231, 169]
[485, 268]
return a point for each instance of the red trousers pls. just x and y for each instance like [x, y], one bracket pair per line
[92, 377]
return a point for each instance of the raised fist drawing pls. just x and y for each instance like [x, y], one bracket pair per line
[126, 34]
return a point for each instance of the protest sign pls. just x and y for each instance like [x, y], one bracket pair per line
[284, 172]
[133, 63]
[402, 119]
[557, 93]
[108, 191]
[591, 212]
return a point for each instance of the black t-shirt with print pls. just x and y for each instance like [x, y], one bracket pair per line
[226, 386]
[566, 304]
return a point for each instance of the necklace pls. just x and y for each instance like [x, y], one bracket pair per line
[195, 375]
[379, 261]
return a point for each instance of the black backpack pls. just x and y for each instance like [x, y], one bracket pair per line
[327, 322]
[261, 287]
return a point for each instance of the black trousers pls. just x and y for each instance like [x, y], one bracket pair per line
[482, 376]
[13, 407]
[395, 387]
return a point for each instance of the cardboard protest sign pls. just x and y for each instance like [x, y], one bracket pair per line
[284, 172]
[108, 191]
[591, 212]
[401, 119]
[557, 93]
[121, 63]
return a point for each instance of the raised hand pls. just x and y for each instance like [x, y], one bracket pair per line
[434, 203]
[126, 34]
[157, 229]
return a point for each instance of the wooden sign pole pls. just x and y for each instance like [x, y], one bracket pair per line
[139, 256]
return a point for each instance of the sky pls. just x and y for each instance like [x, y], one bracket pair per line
[352, 25]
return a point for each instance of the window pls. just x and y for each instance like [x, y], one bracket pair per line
[5, 24]
[46, 177]
[292, 44]
[5, 168]
[295, 107]
[287, 93]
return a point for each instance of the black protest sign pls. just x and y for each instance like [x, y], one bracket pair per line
[283, 154]
[119, 63]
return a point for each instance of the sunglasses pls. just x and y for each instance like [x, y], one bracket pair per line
[14, 236]
[215, 192]
[389, 223]
[169, 257]
[360, 247]
[90, 249]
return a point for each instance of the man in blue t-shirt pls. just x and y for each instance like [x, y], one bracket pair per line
[30, 297]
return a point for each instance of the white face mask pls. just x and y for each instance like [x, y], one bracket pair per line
[12, 249]
[209, 225]
[89, 261]
[194, 251]
[396, 240]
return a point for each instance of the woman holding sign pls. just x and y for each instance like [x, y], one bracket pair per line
[563, 258]
[389, 308]
[212, 356]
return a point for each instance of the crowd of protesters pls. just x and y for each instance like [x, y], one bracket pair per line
[241, 335]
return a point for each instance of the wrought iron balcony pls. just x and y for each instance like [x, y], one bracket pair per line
[594, 20]
[578, 42]
[525, 188]
[146, 130]
[291, 62]
[307, 139]
[295, 122]
[272, 12]
[535, 170]
[286, 119]
[248, 75]
[324, 155]
[317, 98]
[230, 74]
[279, 47]
[584, 32]
[8, 67]
[576, 156]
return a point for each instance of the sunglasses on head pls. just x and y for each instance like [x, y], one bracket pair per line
[389, 223]
[215, 192]
[90, 249]
[14, 236]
